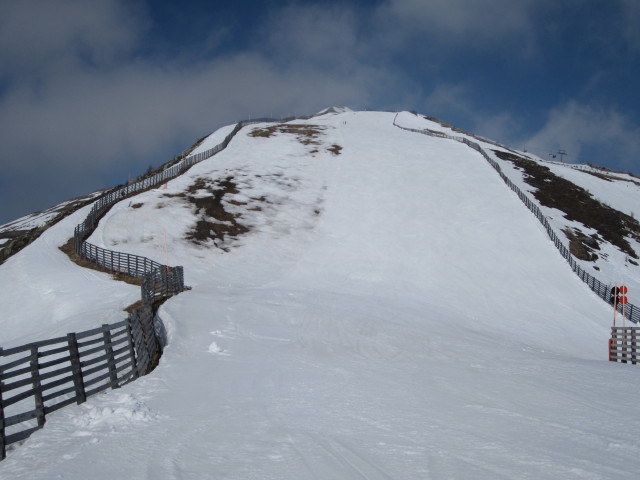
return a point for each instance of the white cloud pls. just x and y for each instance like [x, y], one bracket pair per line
[138, 108]
[449, 97]
[86, 107]
[630, 19]
[315, 35]
[455, 101]
[75, 92]
[584, 130]
[37, 35]
[466, 23]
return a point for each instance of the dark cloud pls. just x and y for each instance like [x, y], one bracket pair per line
[40, 35]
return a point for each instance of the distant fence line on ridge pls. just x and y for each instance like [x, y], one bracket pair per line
[631, 311]
[82, 364]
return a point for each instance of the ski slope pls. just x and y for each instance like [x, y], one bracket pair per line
[393, 312]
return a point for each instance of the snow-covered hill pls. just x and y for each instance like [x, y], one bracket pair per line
[15, 235]
[367, 302]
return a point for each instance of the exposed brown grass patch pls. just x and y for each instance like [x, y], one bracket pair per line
[578, 204]
[610, 177]
[582, 246]
[19, 239]
[133, 306]
[335, 149]
[306, 134]
[67, 248]
[215, 222]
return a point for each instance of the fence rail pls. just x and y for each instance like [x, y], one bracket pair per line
[41, 377]
[132, 264]
[631, 312]
[623, 346]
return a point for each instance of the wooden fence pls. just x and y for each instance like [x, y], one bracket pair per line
[623, 346]
[631, 312]
[41, 377]
[104, 203]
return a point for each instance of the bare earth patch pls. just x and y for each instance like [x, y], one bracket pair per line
[123, 277]
[215, 223]
[579, 205]
[306, 135]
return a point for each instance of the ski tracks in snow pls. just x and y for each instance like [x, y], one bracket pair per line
[338, 454]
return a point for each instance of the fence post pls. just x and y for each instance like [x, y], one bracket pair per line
[612, 345]
[132, 350]
[181, 278]
[3, 448]
[149, 336]
[584, 276]
[149, 333]
[74, 355]
[113, 374]
[37, 386]
[138, 342]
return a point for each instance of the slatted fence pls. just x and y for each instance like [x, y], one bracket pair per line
[41, 377]
[623, 346]
[104, 203]
[631, 312]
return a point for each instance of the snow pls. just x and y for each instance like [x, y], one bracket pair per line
[46, 295]
[213, 139]
[394, 312]
[334, 109]
[613, 265]
[39, 219]
[623, 194]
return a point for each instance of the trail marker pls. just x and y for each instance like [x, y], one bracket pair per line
[618, 297]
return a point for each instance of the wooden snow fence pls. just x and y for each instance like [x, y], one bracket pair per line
[41, 377]
[104, 203]
[623, 346]
[631, 312]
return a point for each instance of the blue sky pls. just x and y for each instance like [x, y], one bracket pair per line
[94, 92]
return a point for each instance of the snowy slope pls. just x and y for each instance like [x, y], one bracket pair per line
[393, 311]
[27, 226]
[622, 192]
[618, 190]
[45, 295]
[39, 219]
